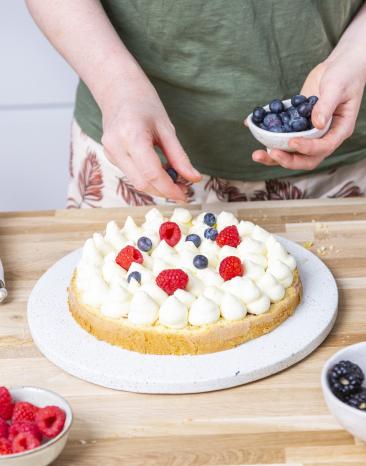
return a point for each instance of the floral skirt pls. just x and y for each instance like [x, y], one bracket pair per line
[95, 182]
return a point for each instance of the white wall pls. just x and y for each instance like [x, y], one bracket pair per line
[37, 91]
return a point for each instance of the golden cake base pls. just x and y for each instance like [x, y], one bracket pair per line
[157, 339]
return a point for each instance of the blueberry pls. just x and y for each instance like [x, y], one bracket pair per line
[313, 100]
[262, 126]
[297, 100]
[196, 240]
[134, 275]
[258, 114]
[286, 128]
[200, 261]
[276, 129]
[172, 173]
[211, 233]
[271, 119]
[144, 243]
[299, 124]
[305, 109]
[285, 117]
[292, 113]
[209, 219]
[276, 106]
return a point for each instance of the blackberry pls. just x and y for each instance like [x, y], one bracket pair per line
[345, 378]
[358, 400]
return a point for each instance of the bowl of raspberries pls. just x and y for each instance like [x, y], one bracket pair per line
[34, 426]
[276, 123]
[344, 388]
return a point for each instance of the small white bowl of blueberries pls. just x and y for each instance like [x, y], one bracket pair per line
[344, 388]
[276, 123]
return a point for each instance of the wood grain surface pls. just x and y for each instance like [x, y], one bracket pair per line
[281, 420]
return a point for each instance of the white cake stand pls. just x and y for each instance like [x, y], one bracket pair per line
[71, 348]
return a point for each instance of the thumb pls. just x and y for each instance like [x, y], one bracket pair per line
[177, 156]
[329, 99]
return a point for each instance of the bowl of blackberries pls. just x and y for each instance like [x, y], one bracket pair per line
[281, 120]
[344, 388]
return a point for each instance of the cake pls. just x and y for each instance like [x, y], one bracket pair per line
[183, 285]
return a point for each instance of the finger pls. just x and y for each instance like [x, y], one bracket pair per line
[341, 129]
[330, 96]
[295, 161]
[176, 155]
[126, 165]
[264, 158]
[149, 166]
[246, 122]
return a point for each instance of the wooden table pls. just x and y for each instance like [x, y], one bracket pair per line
[276, 421]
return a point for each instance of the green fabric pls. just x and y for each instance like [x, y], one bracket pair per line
[212, 61]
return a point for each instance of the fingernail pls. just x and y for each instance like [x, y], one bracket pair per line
[321, 120]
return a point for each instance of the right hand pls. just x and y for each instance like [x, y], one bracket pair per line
[134, 120]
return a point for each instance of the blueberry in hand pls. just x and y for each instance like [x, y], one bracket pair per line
[196, 240]
[299, 124]
[276, 129]
[209, 219]
[285, 117]
[286, 128]
[144, 243]
[258, 114]
[200, 261]
[271, 119]
[297, 100]
[276, 106]
[172, 173]
[313, 100]
[304, 109]
[292, 113]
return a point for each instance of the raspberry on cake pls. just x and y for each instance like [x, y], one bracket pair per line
[184, 285]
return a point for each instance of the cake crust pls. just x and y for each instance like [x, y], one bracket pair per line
[157, 339]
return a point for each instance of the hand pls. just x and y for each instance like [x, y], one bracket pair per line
[134, 120]
[339, 84]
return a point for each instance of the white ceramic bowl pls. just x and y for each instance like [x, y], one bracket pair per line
[280, 140]
[49, 451]
[352, 419]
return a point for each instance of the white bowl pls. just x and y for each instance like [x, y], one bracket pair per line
[352, 419]
[280, 140]
[50, 450]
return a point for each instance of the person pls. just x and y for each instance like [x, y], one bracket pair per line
[168, 83]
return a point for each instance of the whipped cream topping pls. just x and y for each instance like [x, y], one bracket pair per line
[104, 285]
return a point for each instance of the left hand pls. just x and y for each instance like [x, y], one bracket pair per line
[339, 84]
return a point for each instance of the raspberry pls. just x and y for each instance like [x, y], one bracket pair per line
[127, 255]
[24, 411]
[170, 232]
[231, 267]
[50, 420]
[25, 441]
[24, 426]
[5, 446]
[6, 404]
[4, 428]
[228, 236]
[170, 280]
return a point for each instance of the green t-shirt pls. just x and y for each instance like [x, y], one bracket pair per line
[212, 61]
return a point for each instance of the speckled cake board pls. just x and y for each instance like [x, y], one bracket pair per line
[77, 352]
